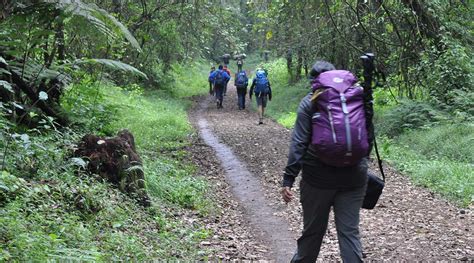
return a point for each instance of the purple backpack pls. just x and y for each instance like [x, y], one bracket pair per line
[339, 132]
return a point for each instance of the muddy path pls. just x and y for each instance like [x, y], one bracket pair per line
[410, 223]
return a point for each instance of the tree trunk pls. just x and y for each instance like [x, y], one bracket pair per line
[289, 63]
[60, 40]
[33, 96]
[299, 63]
[5, 8]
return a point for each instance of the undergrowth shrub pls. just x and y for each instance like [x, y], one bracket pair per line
[161, 129]
[84, 103]
[451, 142]
[51, 211]
[189, 79]
[462, 104]
[285, 97]
[407, 115]
[447, 73]
[454, 179]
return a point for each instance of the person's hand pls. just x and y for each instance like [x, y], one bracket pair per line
[286, 194]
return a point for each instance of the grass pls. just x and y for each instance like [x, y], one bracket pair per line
[433, 149]
[161, 128]
[285, 97]
[50, 210]
[190, 79]
[439, 158]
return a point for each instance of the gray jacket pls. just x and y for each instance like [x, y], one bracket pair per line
[301, 157]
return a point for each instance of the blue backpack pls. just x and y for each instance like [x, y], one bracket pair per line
[261, 83]
[241, 80]
[219, 78]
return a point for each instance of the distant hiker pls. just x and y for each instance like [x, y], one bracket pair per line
[225, 59]
[240, 61]
[263, 92]
[330, 146]
[219, 79]
[211, 86]
[241, 83]
[265, 55]
[228, 73]
[240, 64]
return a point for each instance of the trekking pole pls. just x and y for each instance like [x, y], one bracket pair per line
[369, 70]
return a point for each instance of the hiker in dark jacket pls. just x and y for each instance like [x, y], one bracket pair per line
[323, 186]
[263, 92]
[240, 61]
[226, 69]
[211, 86]
[225, 59]
[240, 64]
[241, 84]
[219, 79]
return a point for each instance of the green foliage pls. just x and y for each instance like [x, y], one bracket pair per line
[430, 146]
[424, 47]
[462, 104]
[10, 187]
[112, 64]
[142, 115]
[449, 74]
[407, 115]
[95, 16]
[166, 178]
[170, 180]
[452, 142]
[79, 218]
[429, 167]
[85, 103]
[286, 97]
[52, 211]
[189, 79]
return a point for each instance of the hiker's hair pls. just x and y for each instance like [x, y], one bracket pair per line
[319, 67]
[221, 67]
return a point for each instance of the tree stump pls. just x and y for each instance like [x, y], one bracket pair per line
[115, 160]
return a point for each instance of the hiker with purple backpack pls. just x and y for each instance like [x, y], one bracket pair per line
[330, 145]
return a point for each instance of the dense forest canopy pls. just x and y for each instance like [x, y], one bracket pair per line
[422, 47]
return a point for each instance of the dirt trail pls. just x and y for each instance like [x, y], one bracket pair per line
[248, 190]
[410, 223]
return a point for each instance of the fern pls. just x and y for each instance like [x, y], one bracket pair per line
[112, 64]
[34, 72]
[98, 17]
[6, 86]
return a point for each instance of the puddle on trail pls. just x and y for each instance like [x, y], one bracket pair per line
[250, 193]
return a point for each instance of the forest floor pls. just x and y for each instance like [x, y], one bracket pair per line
[244, 161]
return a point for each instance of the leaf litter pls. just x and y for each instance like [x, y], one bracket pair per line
[409, 223]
